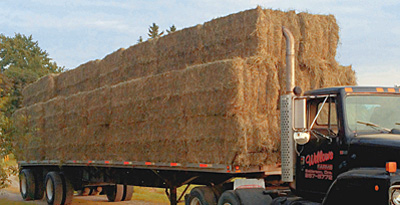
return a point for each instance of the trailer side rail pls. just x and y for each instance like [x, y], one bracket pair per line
[202, 167]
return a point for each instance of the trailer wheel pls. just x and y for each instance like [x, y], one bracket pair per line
[115, 192]
[201, 196]
[27, 184]
[59, 189]
[128, 191]
[68, 189]
[54, 192]
[229, 198]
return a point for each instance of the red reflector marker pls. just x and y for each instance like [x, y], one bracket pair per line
[126, 163]
[89, 161]
[174, 164]
[107, 162]
[147, 163]
[391, 167]
[203, 165]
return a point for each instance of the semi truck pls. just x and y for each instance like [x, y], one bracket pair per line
[339, 145]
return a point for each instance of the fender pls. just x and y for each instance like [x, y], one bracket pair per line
[361, 186]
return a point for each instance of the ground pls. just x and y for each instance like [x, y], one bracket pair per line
[141, 196]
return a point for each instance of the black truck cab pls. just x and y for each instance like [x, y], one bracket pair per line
[354, 132]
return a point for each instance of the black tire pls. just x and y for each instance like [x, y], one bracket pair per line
[115, 192]
[27, 184]
[59, 189]
[201, 196]
[229, 197]
[128, 192]
[68, 190]
[54, 188]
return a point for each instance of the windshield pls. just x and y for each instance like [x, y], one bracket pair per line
[369, 113]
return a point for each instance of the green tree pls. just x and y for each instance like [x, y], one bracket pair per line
[153, 31]
[140, 40]
[171, 29]
[22, 62]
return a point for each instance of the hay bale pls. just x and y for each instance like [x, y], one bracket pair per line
[20, 119]
[39, 91]
[35, 115]
[75, 111]
[141, 59]
[83, 78]
[98, 106]
[111, 69]
[54, 118]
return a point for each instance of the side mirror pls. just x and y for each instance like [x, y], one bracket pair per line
[300, 114]
[301, 136]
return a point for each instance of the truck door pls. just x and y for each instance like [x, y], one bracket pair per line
[316, 161]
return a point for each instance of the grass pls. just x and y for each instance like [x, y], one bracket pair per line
[6, 201]
[156, 195]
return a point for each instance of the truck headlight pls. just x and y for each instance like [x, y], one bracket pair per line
[394, 195]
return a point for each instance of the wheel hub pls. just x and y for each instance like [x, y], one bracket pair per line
[23, 184]
[49, 189]
[195, 201]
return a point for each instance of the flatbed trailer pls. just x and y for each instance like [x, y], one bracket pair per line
[91, 173]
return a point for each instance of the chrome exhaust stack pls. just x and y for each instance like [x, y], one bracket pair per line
[290, 81]
[286, 106]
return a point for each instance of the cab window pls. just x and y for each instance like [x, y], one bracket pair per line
[326, 121]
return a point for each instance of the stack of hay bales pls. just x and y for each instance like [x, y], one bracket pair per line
[205, 94]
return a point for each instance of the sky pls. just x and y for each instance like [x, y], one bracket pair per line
[76, 31]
